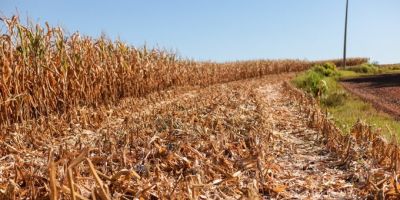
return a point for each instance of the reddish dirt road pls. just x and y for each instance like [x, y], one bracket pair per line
[383, 91]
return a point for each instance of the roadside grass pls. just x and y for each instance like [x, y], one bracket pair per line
[343, 107]
[353, 109]
[350, 73]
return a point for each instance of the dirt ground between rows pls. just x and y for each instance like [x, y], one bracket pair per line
[383, 91]
[306, 170]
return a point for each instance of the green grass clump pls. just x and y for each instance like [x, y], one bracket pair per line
[335, 99]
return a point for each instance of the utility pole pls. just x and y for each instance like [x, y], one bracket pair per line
[345, 35]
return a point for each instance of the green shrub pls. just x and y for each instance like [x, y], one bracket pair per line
[310, 82]
[314, 81]
[327, 69]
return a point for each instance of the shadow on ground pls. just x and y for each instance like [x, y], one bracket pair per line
[377, 81]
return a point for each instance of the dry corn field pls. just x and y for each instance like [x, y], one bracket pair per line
[85, 118]
[43, 71]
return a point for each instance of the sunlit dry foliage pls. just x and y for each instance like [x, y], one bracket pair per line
[44, 71]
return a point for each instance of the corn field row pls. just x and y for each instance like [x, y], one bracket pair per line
[45, 71]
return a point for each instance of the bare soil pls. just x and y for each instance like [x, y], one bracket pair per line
[383, 91]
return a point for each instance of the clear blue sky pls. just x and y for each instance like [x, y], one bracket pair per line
[224, 30]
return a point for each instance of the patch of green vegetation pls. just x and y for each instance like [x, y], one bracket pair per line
[348, 74]
[309, 82]
[335, 99]
[366, 68]
[344, 108]
[393, 67]
[315, 80]
[327, 69]
[358, 71]
[353, 108]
